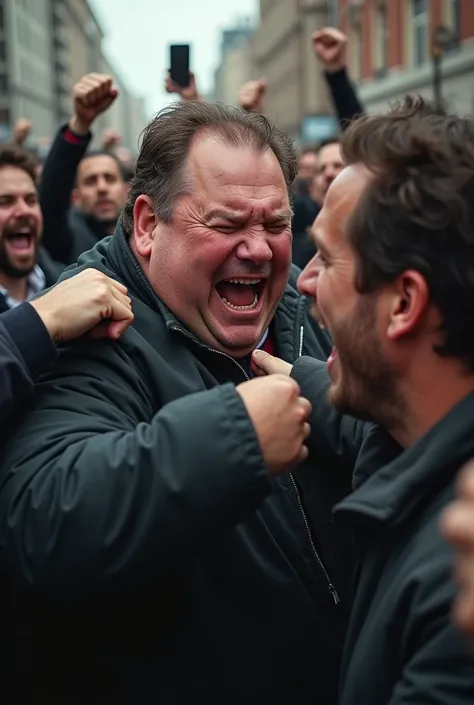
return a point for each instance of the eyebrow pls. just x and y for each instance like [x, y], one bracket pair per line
[319, 245]
[239, 216]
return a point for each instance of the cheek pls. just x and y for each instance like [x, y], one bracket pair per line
[280, 246]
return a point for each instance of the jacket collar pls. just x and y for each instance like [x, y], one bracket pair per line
[392, 483]
[289, 316]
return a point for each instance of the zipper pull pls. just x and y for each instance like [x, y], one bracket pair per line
[334, 594]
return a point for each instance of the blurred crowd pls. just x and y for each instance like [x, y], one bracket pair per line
[236, 401]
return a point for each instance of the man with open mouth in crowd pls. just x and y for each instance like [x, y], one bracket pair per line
[167, 537]
[393, 282]
[25, 268]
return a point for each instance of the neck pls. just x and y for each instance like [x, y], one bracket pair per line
[436, 391]
[17, 288]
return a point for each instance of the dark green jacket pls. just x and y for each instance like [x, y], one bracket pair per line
[153, 558]
[402, 647]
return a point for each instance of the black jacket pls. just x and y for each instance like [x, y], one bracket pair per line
[26, 350]
[154, 560]
[402, 647]
[67, 232]
[51, 270]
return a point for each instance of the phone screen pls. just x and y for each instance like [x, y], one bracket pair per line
[179, 64]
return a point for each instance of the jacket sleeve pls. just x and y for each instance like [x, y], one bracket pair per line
[334, 434]
[26, 350]
[97, 486]
[55, 190]
[440, 671]
[437, 661]
[344, 97]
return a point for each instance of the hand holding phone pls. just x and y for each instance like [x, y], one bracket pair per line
[179, 64]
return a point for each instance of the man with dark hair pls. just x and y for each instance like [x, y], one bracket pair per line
[167, 533]
[25, 269]
[94, 180]
[394, 284]
[329, 165]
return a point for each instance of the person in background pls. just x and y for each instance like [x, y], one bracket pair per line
[87, 303]
[167, 538]
[458, 528]
[25, 267]
[93, 180]
[394, 285]
[330, 164]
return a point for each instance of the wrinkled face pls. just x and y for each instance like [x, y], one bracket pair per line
[21, 222]
[307, 165]
[330, 164]
[222, 263]
[364, 383]
[100, 190]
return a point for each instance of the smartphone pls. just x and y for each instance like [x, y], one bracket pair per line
[179, 64]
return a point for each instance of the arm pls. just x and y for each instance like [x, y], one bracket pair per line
[26, 350]
[93, 95]
[95, 486]
[331, 433]
[329, 46]
[55, 191]
[344, 96]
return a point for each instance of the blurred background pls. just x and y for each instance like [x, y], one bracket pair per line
[394, 46]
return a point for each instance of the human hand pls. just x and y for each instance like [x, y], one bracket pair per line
[279, 416]
[89, 302]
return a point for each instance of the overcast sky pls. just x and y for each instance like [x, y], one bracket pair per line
[138, 32]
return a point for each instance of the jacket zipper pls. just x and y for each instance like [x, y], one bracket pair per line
[332, 589]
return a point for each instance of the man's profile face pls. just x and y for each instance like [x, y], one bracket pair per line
[222, 264]
[100, 189]
[363, 382]
[21, 222]
[330, 164]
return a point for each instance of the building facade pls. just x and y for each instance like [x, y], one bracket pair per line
[297, 96]
[391, 45]
[45, 48]
[27, 86]
[236, 64]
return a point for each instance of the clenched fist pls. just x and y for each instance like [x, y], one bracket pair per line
[279, 416]
[252, 95]
[89, 302]
[329, 45]
[93, 95]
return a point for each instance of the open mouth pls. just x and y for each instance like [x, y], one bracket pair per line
[21, 241]
[241, 294]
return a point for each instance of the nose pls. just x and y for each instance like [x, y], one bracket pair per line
[255, 248]
[308, 279]
[102, 184]
[23, 209]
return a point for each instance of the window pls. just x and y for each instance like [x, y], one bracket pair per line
[453, 19]
[3, 52]
[421, 20]
[3, 83]
[380, 39]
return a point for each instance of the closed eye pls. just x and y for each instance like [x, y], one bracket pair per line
[277, 227]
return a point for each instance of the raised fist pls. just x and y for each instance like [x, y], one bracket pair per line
[251, 96]
[329, 45]
[93, 95]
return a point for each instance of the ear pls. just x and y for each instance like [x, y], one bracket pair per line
[144, 224]
[76, 199]
[410, 301]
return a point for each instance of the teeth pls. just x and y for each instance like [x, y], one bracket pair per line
[242, 308]
[244, 281]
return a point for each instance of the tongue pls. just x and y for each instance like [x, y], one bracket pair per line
[19, 243]
[236, 294]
